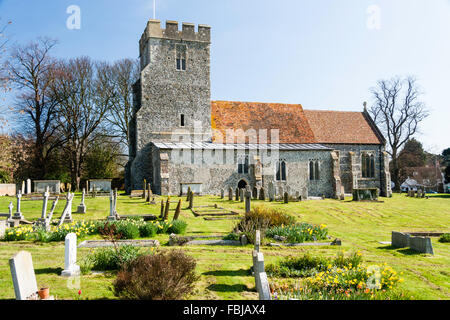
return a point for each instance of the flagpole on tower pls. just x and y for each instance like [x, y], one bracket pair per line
[154, 9]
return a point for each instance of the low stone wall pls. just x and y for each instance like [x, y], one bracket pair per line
[7, 189]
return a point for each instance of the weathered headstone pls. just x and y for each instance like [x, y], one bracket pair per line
[342, 195]
[70, 258]
[237, 194]
[400, 239]
[161, 215]
[10, 210]
[177, 211]
[149, 192]
[2, 228]
[271, 191]
[222, 193]
[257, 240]
[82, 207]
[230, 194]
[188, 194]
[52, 210]
[24, 279]
[255, 193]
[243, 239]
[241, 195]
[286, 197]
[421, 244]
[42, 222]
[23, 187]
[191, 200]
[145, 189]
[419, 193]
[166, 211]
[261, 281]
[112, 209]
[262, 194]
[248, 197]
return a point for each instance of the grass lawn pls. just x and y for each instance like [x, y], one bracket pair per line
[225, 272]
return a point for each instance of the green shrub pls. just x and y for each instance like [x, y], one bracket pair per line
[42, 235]
[178, 227]
[148, 230]
[128, 231]
[105, 259]
[445, 238]
[232, 236]
[163, 276]
[163, 227]
[299, 233]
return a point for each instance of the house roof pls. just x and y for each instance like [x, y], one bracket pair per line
[289, 119]
[240, 146]
[338, 127]
[295, 125]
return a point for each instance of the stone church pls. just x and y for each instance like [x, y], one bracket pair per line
[180, 138]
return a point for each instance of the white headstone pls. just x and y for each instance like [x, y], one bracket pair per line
[23, 276]
[70, 263]
[257, 240]
[23, 187]
[28, 186]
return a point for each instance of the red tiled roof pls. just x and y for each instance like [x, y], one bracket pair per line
[341, 127]
[289, 119]
[295, 125]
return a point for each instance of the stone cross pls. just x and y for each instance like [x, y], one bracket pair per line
[70, 257]
[28, 186]
[82, 207]
[52, 210]
[18, 215]
[66, 216]
[44, 205]
[24, 279]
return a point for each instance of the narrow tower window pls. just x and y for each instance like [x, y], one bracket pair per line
[181, 57]
[182, 123]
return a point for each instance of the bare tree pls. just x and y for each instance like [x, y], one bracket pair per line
[398, 111]
[84, 97]
[4, 79]
[122, 74]
[31, 72]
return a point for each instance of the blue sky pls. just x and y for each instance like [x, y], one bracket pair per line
[319, 53]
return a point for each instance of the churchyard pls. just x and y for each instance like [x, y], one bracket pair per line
[364, 229]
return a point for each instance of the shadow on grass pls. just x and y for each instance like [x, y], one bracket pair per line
[445, 196]
[228, 288]
[405, 251]
[228, 273]
[56, 271]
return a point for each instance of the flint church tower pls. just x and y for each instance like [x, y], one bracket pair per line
[172, 94]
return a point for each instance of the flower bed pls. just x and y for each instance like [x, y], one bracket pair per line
[299, 233]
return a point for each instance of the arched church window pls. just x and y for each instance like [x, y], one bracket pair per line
[281, 174]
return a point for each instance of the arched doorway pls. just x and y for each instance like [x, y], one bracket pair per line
[242, 184]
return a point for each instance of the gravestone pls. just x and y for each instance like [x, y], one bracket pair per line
[23, 187]
[230, 194]
[2, 228]
[271, 191]
[421, 244]
[262, 194]
[10, 210]
[167, 208]
[188, 193]
[24, 279]
[177, 211]
[70, 257]
[257, 240]
[241, 195]
[243, 239]
[248, 197]
[286, 197]
[112, 210]
[255, 193]
[400, 239]
[82, 207]
[342, 195]
[40, 186]
[191, 200]
[99, 185]
[237, 194]
[261, 281]
[28, 186]
[419, 193]
[52, 210]
[42, 222]
[18, 215]
[222, 193]
[161, 214]
[144, 194]
[66, 216]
